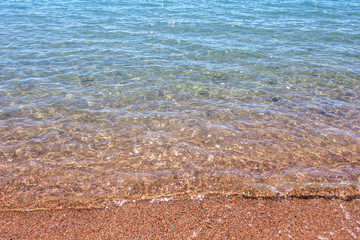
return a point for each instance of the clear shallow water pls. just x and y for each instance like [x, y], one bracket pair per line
[104, 100]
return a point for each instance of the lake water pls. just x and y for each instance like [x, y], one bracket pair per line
[102, 101]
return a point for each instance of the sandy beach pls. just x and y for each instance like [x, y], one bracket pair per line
[211, 217]
[179, 119]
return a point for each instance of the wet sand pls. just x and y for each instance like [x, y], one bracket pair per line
[211, 217]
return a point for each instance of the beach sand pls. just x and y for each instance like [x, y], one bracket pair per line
[210, 217]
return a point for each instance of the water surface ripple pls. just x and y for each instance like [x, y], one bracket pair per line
[105, 100]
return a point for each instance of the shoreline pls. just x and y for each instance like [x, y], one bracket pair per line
[203, 217]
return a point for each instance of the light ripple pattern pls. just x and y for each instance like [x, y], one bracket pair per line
[104, 101]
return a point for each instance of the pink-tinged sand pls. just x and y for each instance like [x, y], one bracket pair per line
[212, 217]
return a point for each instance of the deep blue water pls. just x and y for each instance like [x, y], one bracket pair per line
[131, 98]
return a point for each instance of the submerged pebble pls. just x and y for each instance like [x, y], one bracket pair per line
[204, 93]
[275, 99]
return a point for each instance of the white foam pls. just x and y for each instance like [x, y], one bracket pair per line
[119, 203]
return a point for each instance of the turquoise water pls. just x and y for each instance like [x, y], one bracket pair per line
[103, 100]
